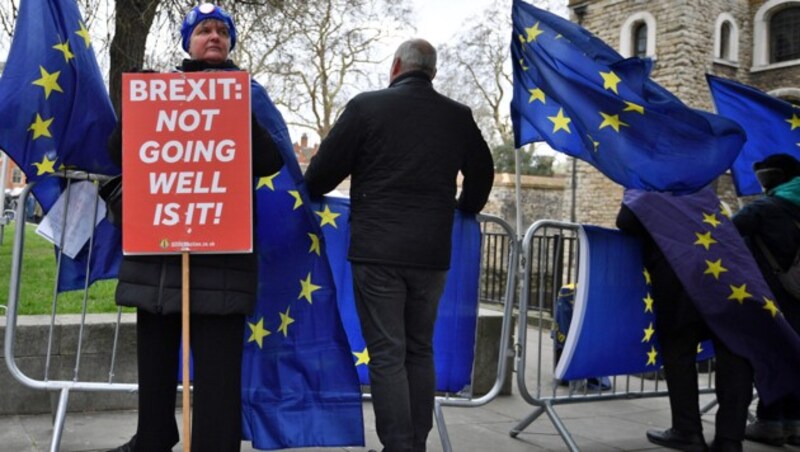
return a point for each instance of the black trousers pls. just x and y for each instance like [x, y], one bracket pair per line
[217, 343]
[397, 308]
[733, 383]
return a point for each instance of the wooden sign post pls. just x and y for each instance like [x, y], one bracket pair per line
[187, 173]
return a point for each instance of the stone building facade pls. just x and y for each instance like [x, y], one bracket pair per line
[739, 39]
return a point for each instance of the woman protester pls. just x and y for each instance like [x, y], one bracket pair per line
[223, 291]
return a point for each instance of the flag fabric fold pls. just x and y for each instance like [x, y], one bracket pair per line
[772, 126]
[578, 94]
[454, 335]
[299, 385]
[55, 114]
[723, 280]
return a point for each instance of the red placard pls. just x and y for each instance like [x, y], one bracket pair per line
[186, 163]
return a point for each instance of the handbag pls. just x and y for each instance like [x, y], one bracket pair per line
[111, 193]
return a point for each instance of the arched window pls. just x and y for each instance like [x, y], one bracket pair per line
[726, 39]
[640, 40]
[784, 35]
[638, 36]
[776, 34]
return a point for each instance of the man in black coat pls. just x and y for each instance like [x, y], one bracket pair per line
[680, 328]
[404, 147]
[769, 225]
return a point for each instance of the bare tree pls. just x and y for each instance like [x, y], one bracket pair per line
[329, 55]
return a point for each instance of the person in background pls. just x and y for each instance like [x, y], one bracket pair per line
[223, 291]
[403, 147]
[680, 328]
[771, 228]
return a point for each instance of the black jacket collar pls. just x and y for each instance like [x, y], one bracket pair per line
[188, 65]
[412, 77]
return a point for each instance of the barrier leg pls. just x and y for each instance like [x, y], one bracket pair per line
[562, 429]
[441, 426]
[61, 415]
[523, 424]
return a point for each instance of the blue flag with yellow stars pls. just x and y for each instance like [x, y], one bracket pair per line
[578, 94]
[299, 384]
[772, 126]
[454, 335]
[55, 114]
[612, 330]
[721, 277]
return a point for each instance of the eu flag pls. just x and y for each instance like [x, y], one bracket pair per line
[772, 126]
[575, 92]
[454, 335]
[612, 330]
[55, 114]
[299, 384]
[721, 277]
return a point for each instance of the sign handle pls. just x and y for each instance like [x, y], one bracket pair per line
[187, 408]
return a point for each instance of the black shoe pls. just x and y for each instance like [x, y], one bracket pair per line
[676, 439]
[130, 446]
[726, 445]
[766, 432]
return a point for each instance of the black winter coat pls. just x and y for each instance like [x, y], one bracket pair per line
[772, 219]
[404, 147]
[219, 283]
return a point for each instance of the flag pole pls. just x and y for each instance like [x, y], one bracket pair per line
[187, 408]
[518, 191]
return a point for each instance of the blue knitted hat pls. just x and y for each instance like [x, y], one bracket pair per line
[201, 13]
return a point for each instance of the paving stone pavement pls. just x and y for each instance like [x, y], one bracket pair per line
[609, 425]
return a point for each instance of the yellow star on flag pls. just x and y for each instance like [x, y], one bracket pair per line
[634, 107]
[41, 127]
[612, 121]
[794, 121]
[739, 293]
[522, 64]
[84, 33]
[267, 181]
[286, 320]
[560, 122]
[362, 357]
[327, 217]
[770, 306]
[533, 32]
[610, 81]
[536, 94]
[314, 244]
[647, 279]
[63, 47]
[298, 201]
[711, 218]
[648, 333]
[714, 268]
[45, 166]
[307, 288]
[48, 81]
[699, 348]
[651, 356]
[704, 240]
[257, 332]
[648, 303]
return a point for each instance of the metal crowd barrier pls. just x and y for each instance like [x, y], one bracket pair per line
[506, 350]
[46, 381]
[550, 259]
